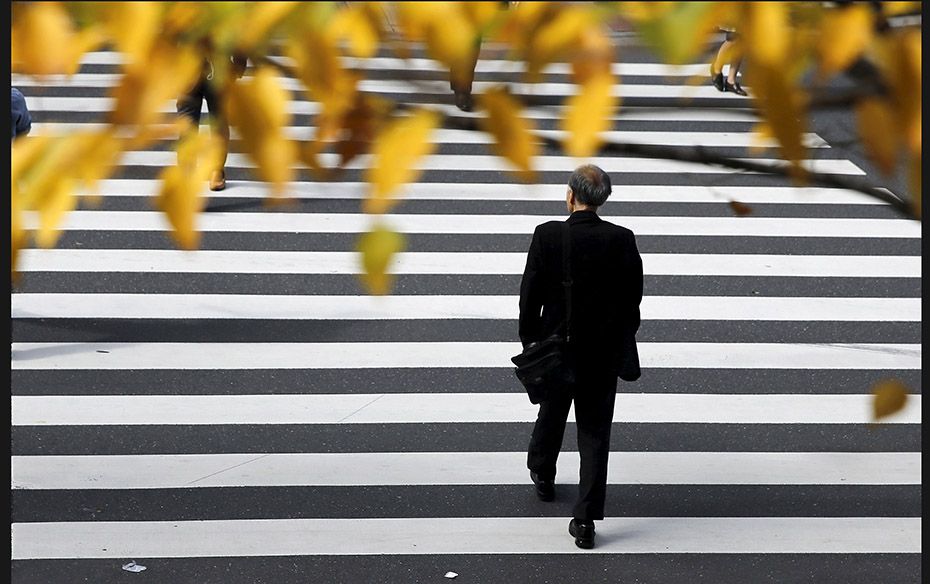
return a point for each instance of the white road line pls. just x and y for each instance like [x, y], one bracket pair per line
[516, 192]
[421, 408]
[488, 163]
[485, 65]
[311, 262]
[447, 223]
[208, 356]
[176, 471]
[357, 307]
[461, 535]
[422, 87]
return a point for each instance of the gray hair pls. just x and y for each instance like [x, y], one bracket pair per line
[590, 184]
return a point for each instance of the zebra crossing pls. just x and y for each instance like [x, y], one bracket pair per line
[245, 413]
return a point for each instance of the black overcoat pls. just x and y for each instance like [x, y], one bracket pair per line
[607, 276]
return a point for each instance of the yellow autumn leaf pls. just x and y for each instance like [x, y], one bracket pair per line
[259, 22]
[358, 25]
[554, 38]
[319, 67]
[396, 151]
[134, 27]
[897, 8]
[377, 249]
[257, 107]
[480, 14]
[844, 33]
[44, 40]
[179, 197]
[768, 32]
[588, 114]
[781, 105]
[888, 397]
[512, 133]
[165, 74]
[593, 56]
[875, 117]
[449, 35]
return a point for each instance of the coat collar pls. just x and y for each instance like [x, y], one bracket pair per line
[583, 217]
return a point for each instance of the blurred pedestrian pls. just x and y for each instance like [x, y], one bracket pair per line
[22, 121]
[190, 105]
[598, 305]
[729, 53]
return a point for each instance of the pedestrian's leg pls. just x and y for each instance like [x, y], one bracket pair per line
[462, 77]
[594, 409]
[546, 441]
[190, 107]
[220, 128]
[716, 66]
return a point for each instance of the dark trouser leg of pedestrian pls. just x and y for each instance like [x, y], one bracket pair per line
[594, 411]
[190, 106]
[220, 128]
[461, 79]
[546, 441]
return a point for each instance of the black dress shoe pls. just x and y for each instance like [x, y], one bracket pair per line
[734, 88]
[463, 101]
[545, 488]
[583, 532]
[718, 81]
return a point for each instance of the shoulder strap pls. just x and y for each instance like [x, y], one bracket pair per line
[567, 277]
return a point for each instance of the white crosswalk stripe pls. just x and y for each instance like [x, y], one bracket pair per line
[249, 401]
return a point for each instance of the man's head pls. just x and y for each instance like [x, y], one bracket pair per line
[589, 186]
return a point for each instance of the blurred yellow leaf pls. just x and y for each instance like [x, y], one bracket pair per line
[512, 133]
[593, 56]
[781, 105]
[319, 67]
[678, 30]
[362, 124]
[166, 73]
[480, 14]
[896, 8]
[844, 33]
[377, 249]
[395, 153]
[182, 184]
[588, 114]
[889, 396]
[768, 33]
[450, 37]
[554, 38]
[134, 27]
[44, 41]
[257, 107]
[261, 19]
[359, 24]
[875, 118]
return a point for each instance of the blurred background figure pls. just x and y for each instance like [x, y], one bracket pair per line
[22, 121]
[190, 105]
[728, 54]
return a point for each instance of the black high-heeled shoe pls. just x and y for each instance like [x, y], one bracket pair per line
[733, 88]
[717, 80]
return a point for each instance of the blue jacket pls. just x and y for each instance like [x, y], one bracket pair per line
[22, 121]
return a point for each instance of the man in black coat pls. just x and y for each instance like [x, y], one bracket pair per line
[607, 287]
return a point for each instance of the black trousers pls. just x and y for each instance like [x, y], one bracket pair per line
[190, 105]
[593, 394]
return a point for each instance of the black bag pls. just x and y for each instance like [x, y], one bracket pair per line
[543, 367]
